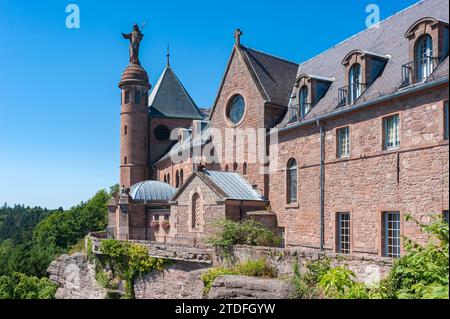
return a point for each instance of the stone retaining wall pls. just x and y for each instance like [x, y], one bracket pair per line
[368, 269]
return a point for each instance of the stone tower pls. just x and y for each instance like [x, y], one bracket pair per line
[134, 129]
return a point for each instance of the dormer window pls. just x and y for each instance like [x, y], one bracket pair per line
[309, 89]
[428, 46]
[362, 69]
[305, 106]
[355, 85]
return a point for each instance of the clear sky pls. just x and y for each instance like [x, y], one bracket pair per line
[59, 100]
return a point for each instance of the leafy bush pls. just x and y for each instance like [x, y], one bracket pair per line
[251, 268]
[248, 232]
[129, 261]
[423, 272]
[19, 286]
[340, 283]
[306, 282]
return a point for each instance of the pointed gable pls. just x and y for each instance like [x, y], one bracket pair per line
[170, 99]
[276, 76]
[272, 76]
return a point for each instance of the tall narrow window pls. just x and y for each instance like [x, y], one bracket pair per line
[424, 57]
[235, 167]
[445, 216]
[291, 181]
[303, 98]
[168, 178]
[137, 97]
[226, 168]
[165, 178]
[125, 130]
[392, 132]
[446, 120]
[177, 179]
[392, 234]
[181, 177]
[355, 83]
[127, 97]
[343, 233]
[195, 222]
[282, 233]
[343, 144]
[244, 169]
[125, 160]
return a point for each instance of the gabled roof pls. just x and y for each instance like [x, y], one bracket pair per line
[386, 40]
[273, 76]
[170, 99]
[229, 186]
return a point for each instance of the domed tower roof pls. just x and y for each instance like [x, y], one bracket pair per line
[152, 191]
[134, 75]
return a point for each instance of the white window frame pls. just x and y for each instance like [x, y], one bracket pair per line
[391, 132]
[343, 142]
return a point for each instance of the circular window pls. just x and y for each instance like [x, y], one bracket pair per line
[162, 133]
[236, 109]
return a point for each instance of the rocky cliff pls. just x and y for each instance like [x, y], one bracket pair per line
[76, 279]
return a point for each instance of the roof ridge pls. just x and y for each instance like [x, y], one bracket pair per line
[362, 31]
[271, 55]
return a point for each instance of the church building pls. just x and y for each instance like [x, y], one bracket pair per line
[354, 140]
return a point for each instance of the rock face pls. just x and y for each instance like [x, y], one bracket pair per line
[75, 277]
[181, 281]
[242, 287]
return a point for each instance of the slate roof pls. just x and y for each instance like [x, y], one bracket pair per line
[388, 39]
[170, 99]
[152, 191]
[229, 186]
[276, 76]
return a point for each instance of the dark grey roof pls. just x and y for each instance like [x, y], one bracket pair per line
[388, 39]
[276, 76]
[170, 99]
[152, 191]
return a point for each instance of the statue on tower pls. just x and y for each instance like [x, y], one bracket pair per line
[135, 38]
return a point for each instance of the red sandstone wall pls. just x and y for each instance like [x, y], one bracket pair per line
[366, 183]
[238, 80]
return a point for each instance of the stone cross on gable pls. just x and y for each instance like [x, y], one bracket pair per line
[237, 35]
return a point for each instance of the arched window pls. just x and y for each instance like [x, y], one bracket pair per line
[181, 177]
[424, 57]
[168, 178]
[354, 83]
[244, 169]
[226, 168]
[177, 179]
[303, 99]
[235, 167]
[195, 222]
[165, 178]
[291, 181]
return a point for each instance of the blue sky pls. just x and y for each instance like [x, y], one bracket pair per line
[59, 99]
